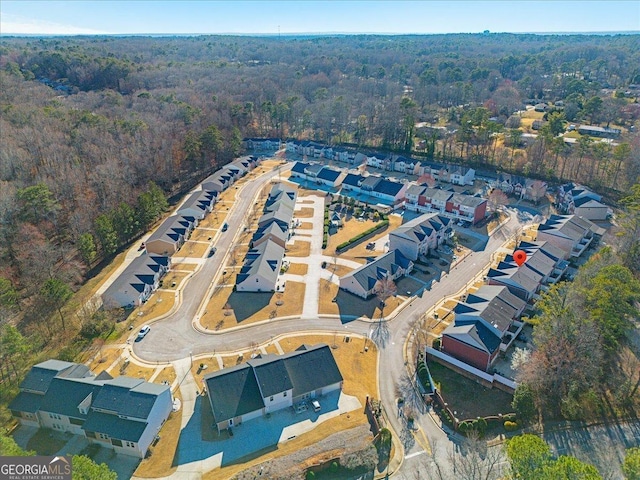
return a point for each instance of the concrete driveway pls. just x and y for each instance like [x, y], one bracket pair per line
[260, 434]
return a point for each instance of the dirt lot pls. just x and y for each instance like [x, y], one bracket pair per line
[173, 277]
[251, 307]
[158, 304]
[215, 219]
[189, 267]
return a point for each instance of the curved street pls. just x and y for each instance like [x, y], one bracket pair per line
[174, 337]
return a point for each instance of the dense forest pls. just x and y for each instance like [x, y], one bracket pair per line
[98, 132]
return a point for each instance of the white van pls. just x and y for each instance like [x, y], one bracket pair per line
[316, 405]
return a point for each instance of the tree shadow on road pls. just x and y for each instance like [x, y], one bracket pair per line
[380, 333]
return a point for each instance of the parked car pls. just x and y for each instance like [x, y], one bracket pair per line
[224, 227]
[143, 332]
[212, 251]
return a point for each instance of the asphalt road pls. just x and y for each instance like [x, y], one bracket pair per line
[174, 337]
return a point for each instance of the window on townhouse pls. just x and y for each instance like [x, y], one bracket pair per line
[130, 444]
[271, 399]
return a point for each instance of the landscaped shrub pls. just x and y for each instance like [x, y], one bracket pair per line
[510, 426]
[480, 425]
[358, 237]
[464, 427]
[436, 344]
[310, 475]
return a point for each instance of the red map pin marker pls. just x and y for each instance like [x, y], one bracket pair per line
[520, 256]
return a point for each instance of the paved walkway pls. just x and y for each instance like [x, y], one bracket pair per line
[314, 260]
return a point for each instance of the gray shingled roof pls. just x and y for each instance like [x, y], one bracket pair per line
[415, 190]
[264, 260]
[271, 374]
[64, 395]
[389, 263]
[475, 335]
[312, 368]
[26, 402]
[132, 280]
[421, 227]
[115, 427]
[233, 392]
[123, 397]
[370, 182]
[41, 375]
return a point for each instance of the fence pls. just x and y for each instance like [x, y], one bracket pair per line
[473, 373]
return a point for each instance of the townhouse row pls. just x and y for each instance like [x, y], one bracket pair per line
[123, 413]
[377, 189]
[488, 321]
[262, 263]
[142, 277]
[450, 173]
[407, 243]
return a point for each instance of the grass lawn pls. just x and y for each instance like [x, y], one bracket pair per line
[349, 305]
[298, 268]
[46, 442]
[248, 307]
[192, 249]
[158, 304]
[215, 219]
[103, 360]
[135, 371]
[211, 363]
[304, 212]
[271, 348]
[298, 249]
[338, 270]
[173, 277]
[466, 397]
[160, 463]
[359, 253]
[167, 373]
[190, 267]
[360, 379]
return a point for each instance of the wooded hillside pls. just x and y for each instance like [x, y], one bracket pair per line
[98, 131]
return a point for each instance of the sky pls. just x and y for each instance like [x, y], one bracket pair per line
[46, 17]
